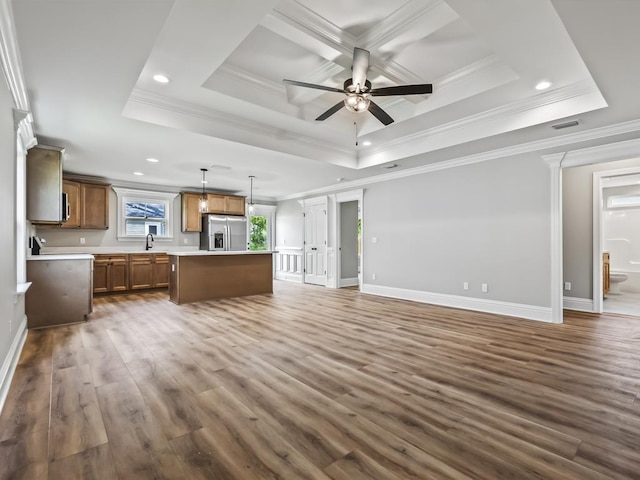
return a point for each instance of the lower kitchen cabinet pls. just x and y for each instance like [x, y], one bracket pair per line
[134, 271]
[110, 273]
[149, 270]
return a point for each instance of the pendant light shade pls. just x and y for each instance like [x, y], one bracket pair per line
[251, 177]
[204, 203]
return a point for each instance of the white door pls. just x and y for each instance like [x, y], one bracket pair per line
[315, 244]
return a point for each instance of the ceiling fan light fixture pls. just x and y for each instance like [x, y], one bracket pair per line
[357, 102]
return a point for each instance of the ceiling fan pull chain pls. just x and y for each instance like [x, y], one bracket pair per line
[355, 125]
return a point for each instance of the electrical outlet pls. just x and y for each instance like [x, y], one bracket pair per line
[567, 286]
[186, 240]
[82, 240]
[465, 286]
[373, 276]
[374, 239]
[485, 288]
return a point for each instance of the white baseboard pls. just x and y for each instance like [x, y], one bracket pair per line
[349, 282]
[579, 304]
[289, 277]
[529, 312]
[11, 361]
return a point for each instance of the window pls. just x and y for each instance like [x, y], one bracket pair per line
[622, 201]
[260, 227]
[142, 212]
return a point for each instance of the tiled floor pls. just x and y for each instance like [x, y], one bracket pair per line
[624, 303]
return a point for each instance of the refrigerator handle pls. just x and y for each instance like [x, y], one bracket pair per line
[227, 238]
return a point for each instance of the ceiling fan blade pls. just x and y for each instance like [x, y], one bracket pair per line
[331, 111]
[312, 85]
[420, 89]
[360, 66]
[380, 114]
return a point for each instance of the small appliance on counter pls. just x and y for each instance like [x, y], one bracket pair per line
[224, 233]
[35, 243]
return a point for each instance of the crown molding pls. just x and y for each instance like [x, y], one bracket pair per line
[619, 149]
[12, 69]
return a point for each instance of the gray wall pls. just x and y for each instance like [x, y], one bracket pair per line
[10, 315]
[577, 225]
[349, 239]
[60, 237]
[481, 223]
[289, 224]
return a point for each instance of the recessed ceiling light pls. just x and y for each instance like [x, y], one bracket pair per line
[543, 85]
[153, 160]
[160, 78]
[204, 181]
[138, 173]
[366, 143]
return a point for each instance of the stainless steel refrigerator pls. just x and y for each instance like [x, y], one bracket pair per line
[222, 232]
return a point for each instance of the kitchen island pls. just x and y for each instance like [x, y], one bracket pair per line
[61, 289]
[207, 275]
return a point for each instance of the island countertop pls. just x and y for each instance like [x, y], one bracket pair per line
[220, 252]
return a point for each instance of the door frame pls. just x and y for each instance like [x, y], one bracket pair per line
[338, 198]
[624, 150]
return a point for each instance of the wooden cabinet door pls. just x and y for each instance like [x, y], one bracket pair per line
[72, 189]
[161, 270]
[100, 274]
[234, 205]
[118, 273]
[94, 206]
[191, 212]
[140, 271]
[216, 203]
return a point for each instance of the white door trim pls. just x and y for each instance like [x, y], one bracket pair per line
[624, 150]
[350, 196]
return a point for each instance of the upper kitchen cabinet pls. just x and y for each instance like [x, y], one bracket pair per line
[94, 206]
[191, 212]
[44, 186]
[88, 204]
[217, 203]
[226, 204]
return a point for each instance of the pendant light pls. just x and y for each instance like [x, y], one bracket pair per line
[204, 203]
[251, 177]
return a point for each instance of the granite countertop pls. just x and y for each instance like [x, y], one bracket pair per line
[62, 256]
[219, 252]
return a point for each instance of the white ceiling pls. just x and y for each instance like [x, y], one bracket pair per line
[88, 66]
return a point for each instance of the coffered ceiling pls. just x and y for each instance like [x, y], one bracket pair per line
[89, 68]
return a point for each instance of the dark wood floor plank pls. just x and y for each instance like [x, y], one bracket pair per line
[174, 409]
[358, 466]
[257, 437]
[76, 420]
[92, 464]
[138, 447]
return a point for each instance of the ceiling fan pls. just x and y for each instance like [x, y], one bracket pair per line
[358, 90]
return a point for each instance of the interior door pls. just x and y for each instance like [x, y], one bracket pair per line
[315, 244]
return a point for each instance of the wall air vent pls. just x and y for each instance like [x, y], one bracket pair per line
[389, 166]
[560, 126]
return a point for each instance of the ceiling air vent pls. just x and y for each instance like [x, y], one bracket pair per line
[560, 126]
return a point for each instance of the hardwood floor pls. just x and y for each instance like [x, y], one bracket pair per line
[314, 383]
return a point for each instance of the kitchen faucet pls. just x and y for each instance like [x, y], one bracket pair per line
[149, 245]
